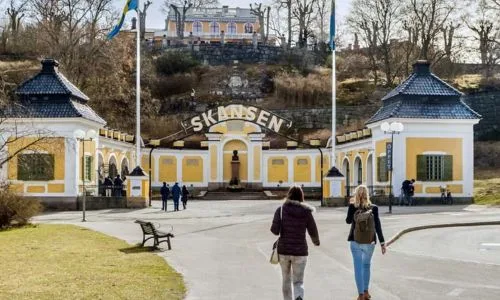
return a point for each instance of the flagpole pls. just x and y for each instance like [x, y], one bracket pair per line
[138, 91]
[334, 87]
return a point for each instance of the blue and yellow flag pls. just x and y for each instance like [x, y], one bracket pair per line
[130, 5]
[332, 27]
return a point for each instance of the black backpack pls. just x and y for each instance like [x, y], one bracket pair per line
[364, 228]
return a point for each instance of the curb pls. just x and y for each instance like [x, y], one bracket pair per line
[423, 227]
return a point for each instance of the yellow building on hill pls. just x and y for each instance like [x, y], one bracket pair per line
[208, 24]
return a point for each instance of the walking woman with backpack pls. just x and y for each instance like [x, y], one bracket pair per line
[365, 229]
[290, 222]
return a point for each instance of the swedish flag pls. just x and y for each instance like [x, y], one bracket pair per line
[130, 5]
[332, 27]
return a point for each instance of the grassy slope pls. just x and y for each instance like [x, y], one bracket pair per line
[68, 262]
[487, 191]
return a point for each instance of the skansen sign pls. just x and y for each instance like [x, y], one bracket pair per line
[251, 114]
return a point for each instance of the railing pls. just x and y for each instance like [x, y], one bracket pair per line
[104, 191]
[211, 35]
[373, 190]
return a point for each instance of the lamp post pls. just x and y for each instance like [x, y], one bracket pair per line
[153, 144]
[392, 128]
[83, 137]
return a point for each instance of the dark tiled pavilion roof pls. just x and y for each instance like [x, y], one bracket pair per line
[423, 95]
[49, 94]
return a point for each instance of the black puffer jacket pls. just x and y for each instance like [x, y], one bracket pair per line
[297, 218]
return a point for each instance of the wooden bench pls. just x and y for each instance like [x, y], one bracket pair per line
[149, 229]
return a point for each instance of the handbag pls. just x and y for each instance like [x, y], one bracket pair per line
[275, 257]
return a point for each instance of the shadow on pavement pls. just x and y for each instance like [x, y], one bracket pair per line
[138, 249]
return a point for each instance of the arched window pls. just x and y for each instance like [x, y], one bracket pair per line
[214, 28]
[125, 171]
[112, 168]
[248, 28]
[197, 27]
[231, 28]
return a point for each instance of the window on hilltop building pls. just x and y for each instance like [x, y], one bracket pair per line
[214, 28]
[248, 28]
[35, 167]
[197, 27]
[434, 167]
[231, 28]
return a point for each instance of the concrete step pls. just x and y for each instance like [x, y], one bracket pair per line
[234, 196]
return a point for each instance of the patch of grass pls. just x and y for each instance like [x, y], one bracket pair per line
[68, 262]
[487, 191]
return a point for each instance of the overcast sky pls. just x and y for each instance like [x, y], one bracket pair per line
[156, 16]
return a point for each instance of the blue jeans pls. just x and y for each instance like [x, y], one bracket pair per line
[362, 257]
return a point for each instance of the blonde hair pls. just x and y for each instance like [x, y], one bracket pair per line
[361, 197]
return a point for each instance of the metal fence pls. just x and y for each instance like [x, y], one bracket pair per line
[373, 190]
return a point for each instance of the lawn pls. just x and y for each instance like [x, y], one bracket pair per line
[487, 191]
[69, 262]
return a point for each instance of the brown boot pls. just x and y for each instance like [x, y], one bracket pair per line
[361, 297]
[367, 295]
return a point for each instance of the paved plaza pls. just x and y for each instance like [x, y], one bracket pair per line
[222, 249]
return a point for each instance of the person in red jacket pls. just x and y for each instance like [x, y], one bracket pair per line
[291, 221]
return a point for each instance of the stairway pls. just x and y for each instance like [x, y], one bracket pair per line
[223, 195]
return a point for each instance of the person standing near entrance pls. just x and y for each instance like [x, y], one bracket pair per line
[108, 186]
[176, 194]
[291, 221]
[164, 191]
[365, 228]
[118, 186]
[185, 194]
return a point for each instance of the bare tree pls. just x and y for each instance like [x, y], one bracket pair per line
[257, 10]
[181, 7]
[485, 33]
[303, 12]
[323, 13]
[430, 16]
[288, 5]
[143, 16]
[16, 12]
[449, 32]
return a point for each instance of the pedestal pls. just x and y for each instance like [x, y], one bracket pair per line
[235, 170]
[137, 189]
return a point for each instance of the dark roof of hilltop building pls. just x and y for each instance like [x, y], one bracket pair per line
[423, 95]
[49, 94]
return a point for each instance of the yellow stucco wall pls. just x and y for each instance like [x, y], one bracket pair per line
[277, 172]
[36, 189]
[326, 188]
[55, 146]
[192, 172]
[167, 168]
[240, 27]
[416, 146]
[17, 187]
[145, 166]
[454, 188]
[257, 156]
[302, 172]
[55, 188]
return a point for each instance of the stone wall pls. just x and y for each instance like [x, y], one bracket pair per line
[217, 54]
[487, 104]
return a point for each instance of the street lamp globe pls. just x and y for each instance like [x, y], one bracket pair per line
[91, 134]
[385, 126]
[79, 134]
[396, 127]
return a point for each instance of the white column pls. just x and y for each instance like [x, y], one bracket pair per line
[468, 163]
[71, 166]
[179, 159]
[290, 170]
[313, 160]
[250, 155]
[157, 169]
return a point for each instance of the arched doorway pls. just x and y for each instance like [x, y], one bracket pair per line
[125, 171]
[242, 149]
[347, 173]
[112, 169]
[358, 172]
[369, 171]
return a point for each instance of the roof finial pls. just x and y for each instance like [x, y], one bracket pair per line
[49, 65]
[422, 67]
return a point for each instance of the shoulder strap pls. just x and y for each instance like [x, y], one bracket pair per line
[281, 218]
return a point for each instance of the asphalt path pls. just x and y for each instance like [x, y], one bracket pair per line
[222, 248]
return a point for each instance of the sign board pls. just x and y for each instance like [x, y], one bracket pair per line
[388, 153]
[242, 112]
